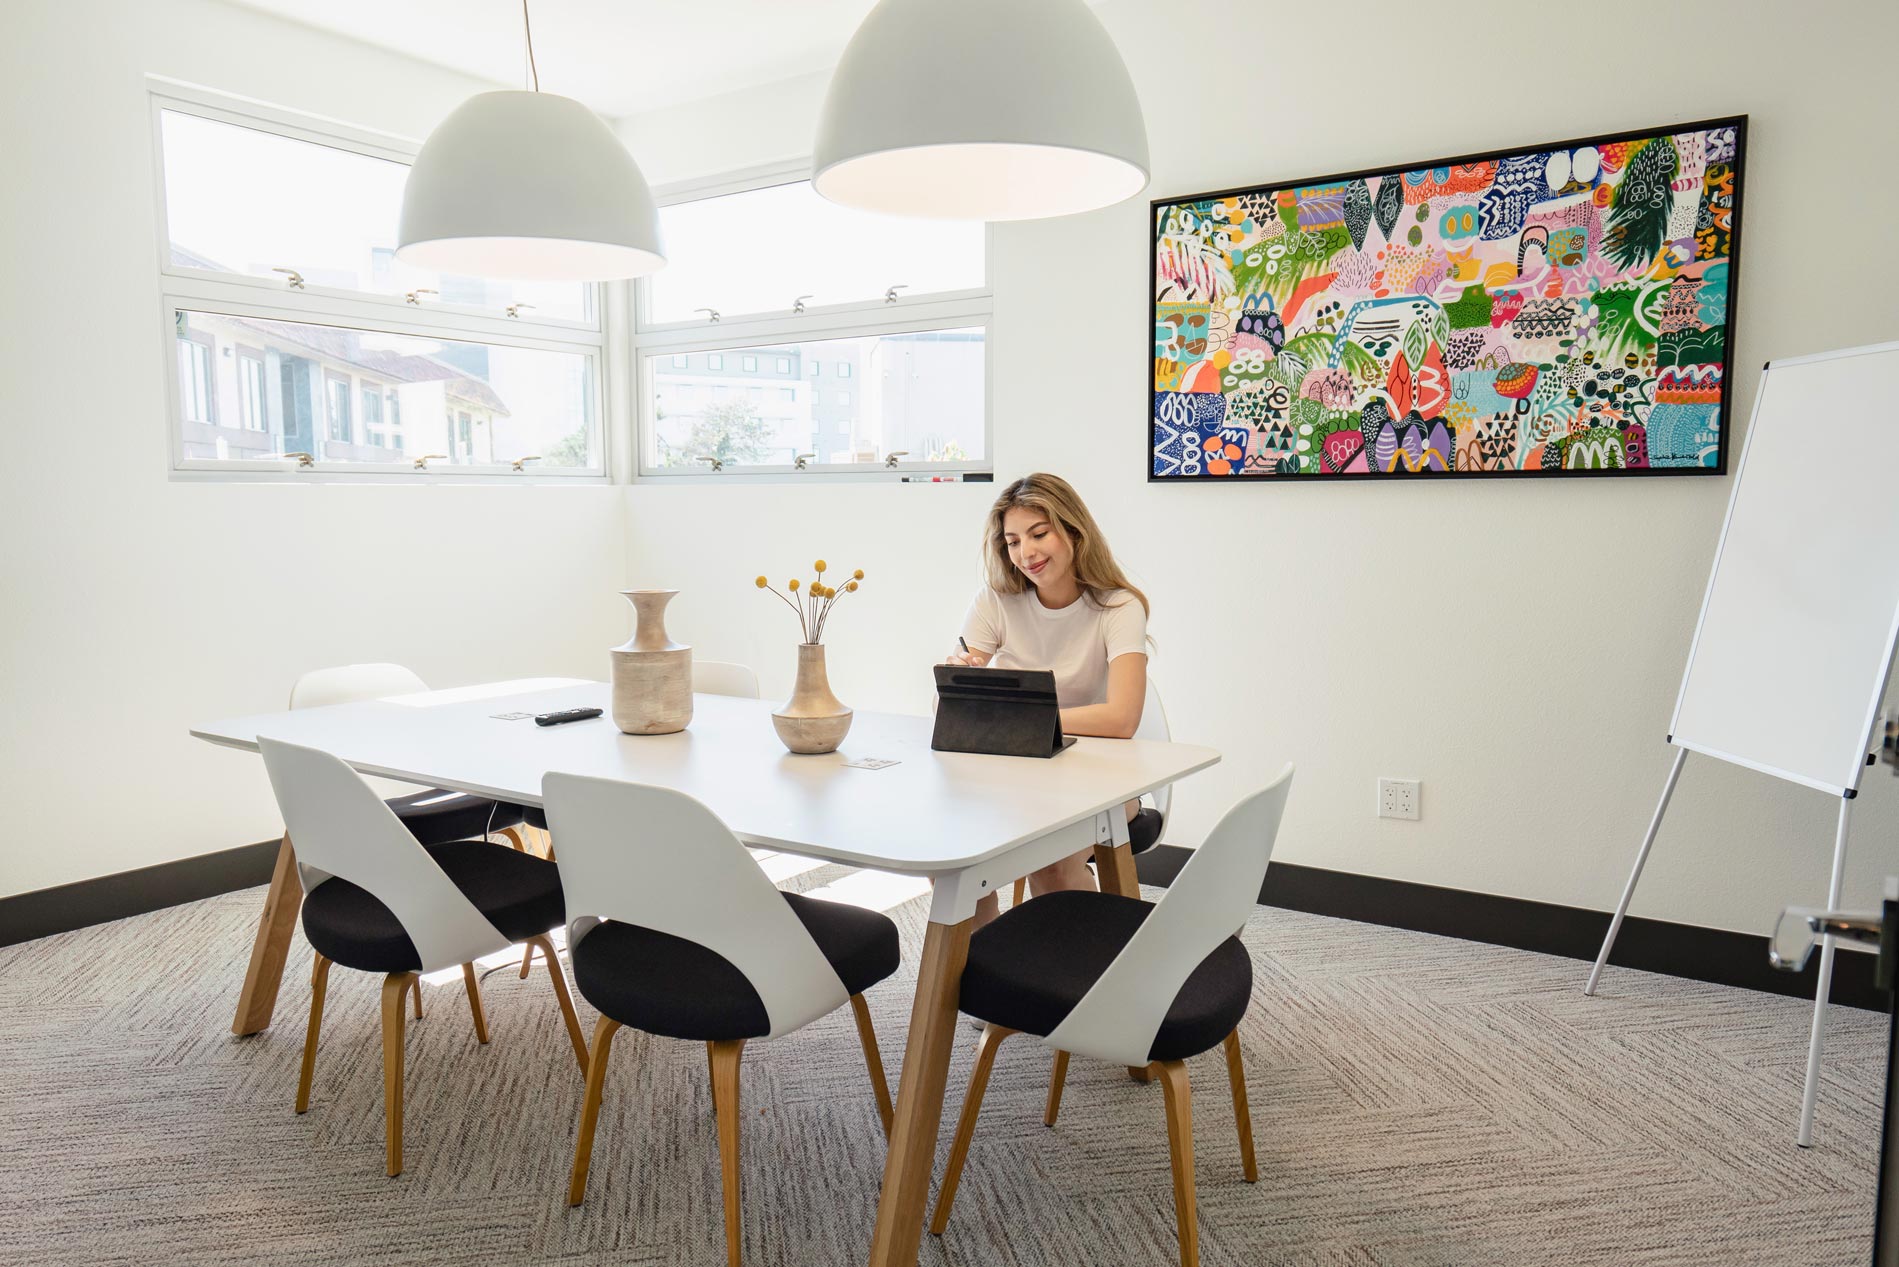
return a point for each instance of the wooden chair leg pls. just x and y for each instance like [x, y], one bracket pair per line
[1236, 1074]
[725, 1083]
[417, 990]
[559, 979]
[992, 1036]
[1055, 1088]
[527, 960]
[712, 1080]
[1173, 1080]
[1021, 892]
[474, 1001]
[874, 1061]
[319, 981]
[603, 1032]
[514, 838]
[394, 987]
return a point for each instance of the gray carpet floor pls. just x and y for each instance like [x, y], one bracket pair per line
[1416, 1100]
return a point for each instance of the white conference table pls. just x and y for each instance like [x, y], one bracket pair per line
[974, 824]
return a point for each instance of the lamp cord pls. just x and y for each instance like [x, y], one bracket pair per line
[528, 26]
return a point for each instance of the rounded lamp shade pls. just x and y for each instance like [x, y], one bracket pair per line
[981, 110]
[529, 186]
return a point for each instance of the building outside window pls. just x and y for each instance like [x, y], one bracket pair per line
[372, 414]
[749, 364]
[784, 365]
[681, 361]
[341, 429]
[253, 414]
[197, 390]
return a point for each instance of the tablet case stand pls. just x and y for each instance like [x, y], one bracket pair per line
[1001, 712]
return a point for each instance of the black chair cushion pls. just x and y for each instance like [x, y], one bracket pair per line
[676, 988]
[519, 893]
[436, 817]
[1028, 969]
[1144, 830]
[534, 816]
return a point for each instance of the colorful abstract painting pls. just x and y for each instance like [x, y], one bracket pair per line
[1558, 310]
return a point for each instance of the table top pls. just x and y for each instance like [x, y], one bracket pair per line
[931, 813]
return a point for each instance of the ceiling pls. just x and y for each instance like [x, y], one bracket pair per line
[618, 56]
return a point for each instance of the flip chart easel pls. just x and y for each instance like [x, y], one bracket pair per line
[1795, 640]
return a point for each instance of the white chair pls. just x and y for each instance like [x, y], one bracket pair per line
[436, 815]
[674, 929]
[377, 900]
[1131, 982]
[709, 677]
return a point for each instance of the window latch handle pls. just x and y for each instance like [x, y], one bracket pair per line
[422, 463]
[292, 276]
[303, 459]
[712, 315]
[797, 305]
[718, 464]
[890, 459]
[802, 460]
[514, 310]
[415, 296]
[532, 457]
[890, 296]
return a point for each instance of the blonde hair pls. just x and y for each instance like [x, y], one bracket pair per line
[1052, 495]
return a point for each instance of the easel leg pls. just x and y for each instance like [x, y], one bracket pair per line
[1641, 857]
[1812, 1091]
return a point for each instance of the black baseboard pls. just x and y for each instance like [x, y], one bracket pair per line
[1680, 950]
[44, 912]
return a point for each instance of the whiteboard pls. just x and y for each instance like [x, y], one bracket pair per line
[1795, 640]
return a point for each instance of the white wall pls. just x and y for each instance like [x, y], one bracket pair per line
[1516, 645]
[134, 605]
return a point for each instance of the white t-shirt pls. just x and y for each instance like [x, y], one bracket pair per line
[1076, 641]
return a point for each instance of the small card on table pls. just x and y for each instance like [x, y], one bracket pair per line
[871, 763]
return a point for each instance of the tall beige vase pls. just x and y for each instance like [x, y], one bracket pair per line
[652, 674]
[813, 719]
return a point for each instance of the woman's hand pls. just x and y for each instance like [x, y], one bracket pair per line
[971, 659]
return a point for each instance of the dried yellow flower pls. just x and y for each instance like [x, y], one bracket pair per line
[794, 585]
[819, 565]
[762, 582]
[850, 585]
[859, 574]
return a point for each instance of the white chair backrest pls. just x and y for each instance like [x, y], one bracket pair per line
[657, 858]
[1207, 903]
[716, 677]
[347, 683]
[340, 827]
[1154, 726]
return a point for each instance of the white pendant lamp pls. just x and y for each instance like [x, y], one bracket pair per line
[981, 110]
[529, 186]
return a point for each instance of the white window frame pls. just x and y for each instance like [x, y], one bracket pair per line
[230, 294]
[911, 314]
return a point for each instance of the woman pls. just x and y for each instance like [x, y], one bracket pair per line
[1056, 599]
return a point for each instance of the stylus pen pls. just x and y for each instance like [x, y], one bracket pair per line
[962, 644]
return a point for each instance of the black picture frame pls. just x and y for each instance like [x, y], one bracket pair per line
[1158, 206]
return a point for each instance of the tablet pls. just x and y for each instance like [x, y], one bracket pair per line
[1001, 712]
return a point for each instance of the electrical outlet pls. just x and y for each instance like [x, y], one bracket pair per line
[1398, 798]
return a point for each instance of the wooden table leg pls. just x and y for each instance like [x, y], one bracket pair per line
[926, 1058]
[1114, 871]
[259, 997]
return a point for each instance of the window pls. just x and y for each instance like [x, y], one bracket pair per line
[681, 361]
[924, 393]
[252, 412]
[338, 388]
[902, 304]
[372, 414]
[516, 401]
[196, 387]
[335, 362]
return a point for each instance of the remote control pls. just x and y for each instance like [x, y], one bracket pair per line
[565, 715]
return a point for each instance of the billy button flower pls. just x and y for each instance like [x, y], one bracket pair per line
[813, 601]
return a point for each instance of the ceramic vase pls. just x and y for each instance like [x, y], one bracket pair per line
[813, 719]
[652, 674]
